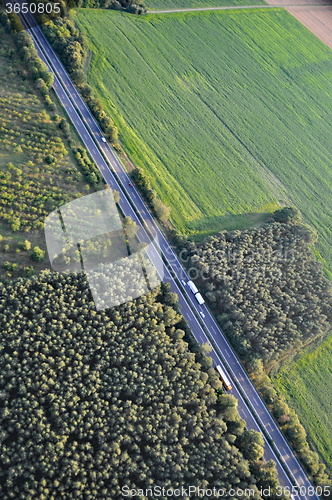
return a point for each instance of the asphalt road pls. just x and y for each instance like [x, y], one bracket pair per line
[91, 135]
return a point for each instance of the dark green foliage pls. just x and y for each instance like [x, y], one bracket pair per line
[40, 72]
[132, 6]
[106, 122]
[92, 178]
[287, 215]
[64, 125]
[266, 288]
[92, 173]
[143, 182]
[67, 41]
[28, 271]
[15, 22]
[38, 254]
[4, 19]
[50, 159]
[92, 401]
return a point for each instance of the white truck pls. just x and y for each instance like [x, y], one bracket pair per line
[199, 298]
[192, 287]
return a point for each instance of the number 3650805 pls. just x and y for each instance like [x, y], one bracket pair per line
[33, 8]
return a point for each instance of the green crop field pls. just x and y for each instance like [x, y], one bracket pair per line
[190, 4]
[226, 111]
[307, 388]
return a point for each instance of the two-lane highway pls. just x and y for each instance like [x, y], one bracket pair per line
[91, 135]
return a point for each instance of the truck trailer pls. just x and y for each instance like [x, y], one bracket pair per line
[199, 298]
[192, 287]
[223, 378]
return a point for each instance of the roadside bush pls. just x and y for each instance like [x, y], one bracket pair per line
[289, 423]
[50, 159]
[28, 271]
[26, 245]
[144, 184]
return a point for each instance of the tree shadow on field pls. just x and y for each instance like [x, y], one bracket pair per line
[208, 226]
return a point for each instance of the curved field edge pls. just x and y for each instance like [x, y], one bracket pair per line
[306, 386]
[229, 105]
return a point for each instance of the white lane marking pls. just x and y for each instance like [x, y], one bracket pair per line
[227, 353]
[255, 400]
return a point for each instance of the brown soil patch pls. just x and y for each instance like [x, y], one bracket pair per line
[316, 15]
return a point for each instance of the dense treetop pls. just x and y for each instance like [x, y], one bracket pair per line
[93, 401]
[265, 285]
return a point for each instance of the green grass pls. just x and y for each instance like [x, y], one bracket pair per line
[190, 4]
[207, 227]
[307, 388]
[226, 111]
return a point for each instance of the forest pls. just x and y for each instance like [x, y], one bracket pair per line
[93, 401]
[42, 163]
[269, 294]
[265, 286]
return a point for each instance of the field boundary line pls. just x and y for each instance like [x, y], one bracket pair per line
[236, 7]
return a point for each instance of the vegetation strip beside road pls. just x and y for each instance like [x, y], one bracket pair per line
[305, 385]
[38, 153]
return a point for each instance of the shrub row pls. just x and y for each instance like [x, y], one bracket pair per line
[289, 423]
[143, 182]
[93, 176]
[40, 73]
